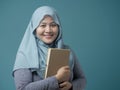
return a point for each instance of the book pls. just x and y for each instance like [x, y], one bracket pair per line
[56, 58]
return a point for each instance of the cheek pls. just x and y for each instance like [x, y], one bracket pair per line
[38, 31]
[56, 31]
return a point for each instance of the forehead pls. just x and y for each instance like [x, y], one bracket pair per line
[47, 18]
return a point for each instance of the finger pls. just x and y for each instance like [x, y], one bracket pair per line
[62, 85]
[66, 67]
[64, 88]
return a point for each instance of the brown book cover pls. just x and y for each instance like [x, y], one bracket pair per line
[56, 59]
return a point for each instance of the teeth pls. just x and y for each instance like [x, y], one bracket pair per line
[48, 35]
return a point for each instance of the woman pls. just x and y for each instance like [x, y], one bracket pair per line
[43, 32]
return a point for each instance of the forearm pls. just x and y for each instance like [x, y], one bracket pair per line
[47, 84]
[24, 81]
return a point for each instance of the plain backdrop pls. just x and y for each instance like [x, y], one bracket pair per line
[90, 27]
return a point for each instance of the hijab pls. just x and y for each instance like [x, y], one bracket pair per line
[32, 51]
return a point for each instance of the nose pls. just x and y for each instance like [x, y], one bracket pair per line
[48, 28]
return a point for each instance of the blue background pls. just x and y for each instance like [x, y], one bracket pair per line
[90, 27]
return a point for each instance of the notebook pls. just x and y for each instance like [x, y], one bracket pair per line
[56, 59]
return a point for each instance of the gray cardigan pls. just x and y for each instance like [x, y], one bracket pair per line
[27, 80]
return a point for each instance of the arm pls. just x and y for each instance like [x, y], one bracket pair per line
[79, 80]
[23, 81]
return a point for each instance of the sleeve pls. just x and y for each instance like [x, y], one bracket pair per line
[79, 80]
[23, 81]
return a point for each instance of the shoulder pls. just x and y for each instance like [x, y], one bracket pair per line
[22, 72]
[68, 47]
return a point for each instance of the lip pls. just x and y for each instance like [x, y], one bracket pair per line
[48, 36]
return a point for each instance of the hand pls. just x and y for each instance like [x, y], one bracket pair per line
[65, 85]
[63, 74]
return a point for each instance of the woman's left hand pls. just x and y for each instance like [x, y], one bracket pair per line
[65, 85]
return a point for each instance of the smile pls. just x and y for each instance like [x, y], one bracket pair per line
[48, 36]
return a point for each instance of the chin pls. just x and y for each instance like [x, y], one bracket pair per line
[49, 42]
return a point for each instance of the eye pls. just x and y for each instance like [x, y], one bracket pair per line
[53, 25]
[43, 25]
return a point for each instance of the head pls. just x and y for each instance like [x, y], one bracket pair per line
[46, 24]
[48, 30]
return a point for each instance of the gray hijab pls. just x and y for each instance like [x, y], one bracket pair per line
[32, 51]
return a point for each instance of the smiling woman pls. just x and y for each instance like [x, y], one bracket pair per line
[44, 32]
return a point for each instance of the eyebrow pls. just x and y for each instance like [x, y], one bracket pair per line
[46, 23]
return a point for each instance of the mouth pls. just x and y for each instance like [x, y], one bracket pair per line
[48, 36]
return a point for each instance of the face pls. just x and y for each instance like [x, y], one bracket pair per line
[47, 31]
